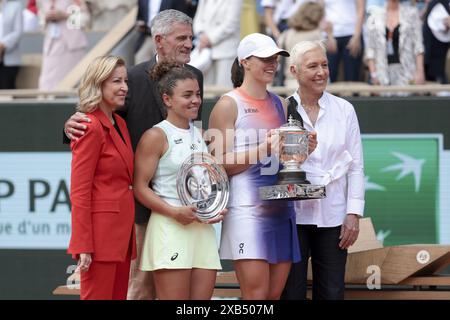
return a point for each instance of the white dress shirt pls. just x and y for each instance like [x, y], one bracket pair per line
[337, 162]
[436, 23]
[283, 9]
[11, 31]
[1, 21]
[153, 10]
[220, 22]
[343, 15]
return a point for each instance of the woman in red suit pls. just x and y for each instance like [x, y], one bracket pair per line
[101, 185]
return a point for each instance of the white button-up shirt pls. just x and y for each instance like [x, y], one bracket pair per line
[436, 23]
[337, 162]
[283, 9]
[153, 10]
[1, 22]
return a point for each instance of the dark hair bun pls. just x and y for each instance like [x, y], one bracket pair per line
[161, 69]
[166, 74]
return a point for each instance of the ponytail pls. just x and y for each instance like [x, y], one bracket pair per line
[237, 74]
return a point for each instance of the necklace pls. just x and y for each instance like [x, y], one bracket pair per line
[312, 112]
[308, 109]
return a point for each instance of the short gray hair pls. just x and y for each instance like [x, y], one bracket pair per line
[163, 22]
[301, 48]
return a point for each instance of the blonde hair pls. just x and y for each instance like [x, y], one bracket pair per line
[298, 51]
[307, 17]
[90, 88]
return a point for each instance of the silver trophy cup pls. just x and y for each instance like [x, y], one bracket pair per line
[292, 183]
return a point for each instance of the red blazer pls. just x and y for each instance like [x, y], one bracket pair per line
[101, 193]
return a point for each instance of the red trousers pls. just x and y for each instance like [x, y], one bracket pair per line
[106, 280]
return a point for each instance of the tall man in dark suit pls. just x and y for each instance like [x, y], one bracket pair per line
[172, 34]
[147, 10]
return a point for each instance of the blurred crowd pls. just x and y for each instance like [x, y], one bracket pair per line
[382, 42]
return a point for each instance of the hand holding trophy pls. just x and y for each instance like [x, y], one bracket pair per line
[292, 183]
[203, 183]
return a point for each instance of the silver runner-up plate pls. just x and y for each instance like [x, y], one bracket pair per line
[203, 183]
[293, 191]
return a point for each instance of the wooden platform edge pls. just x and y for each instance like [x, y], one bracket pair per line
[226, 286]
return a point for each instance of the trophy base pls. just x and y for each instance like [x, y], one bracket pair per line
[292, 191]
[292, 177]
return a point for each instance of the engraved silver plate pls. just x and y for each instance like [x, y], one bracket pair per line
[294, 191]
[203, 183]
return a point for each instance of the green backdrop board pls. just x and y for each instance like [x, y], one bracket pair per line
[36, 127]
[402, 187]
